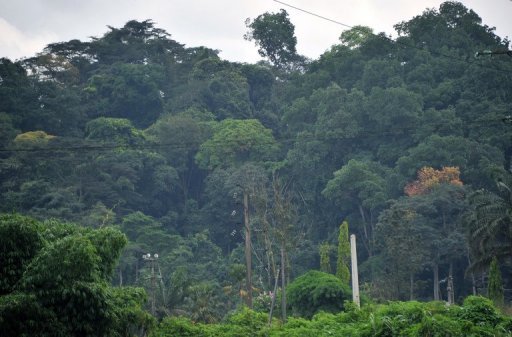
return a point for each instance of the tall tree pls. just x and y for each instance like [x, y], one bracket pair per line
[342, 262]
[239, 144]
[495, 287]
[360, 188]
[275, 36]
[324, 250]
[490, 224]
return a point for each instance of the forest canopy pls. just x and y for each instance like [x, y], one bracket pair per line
[239, 175]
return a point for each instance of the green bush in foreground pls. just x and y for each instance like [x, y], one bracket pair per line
[317, 291]
[477, 317]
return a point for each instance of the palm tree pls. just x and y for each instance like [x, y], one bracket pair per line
[490, 226]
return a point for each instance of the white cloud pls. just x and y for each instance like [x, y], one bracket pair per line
[15, 44]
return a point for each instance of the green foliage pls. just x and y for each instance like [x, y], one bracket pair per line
[33, 138]
[245, 322]
[117, 130]
[22, 315]
[480, 311]
[20, 241]
[63, 289]
[194, 132]
[356, 36]
[342, 262]
[495, 287]
[178, 326]
[275, 35]
[317, 291]
[236, 141]
[490, 221]
[411, 319]
[325, 257]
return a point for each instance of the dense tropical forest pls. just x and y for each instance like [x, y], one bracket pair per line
[148, 187]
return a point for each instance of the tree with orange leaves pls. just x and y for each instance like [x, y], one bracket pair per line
[429, 178]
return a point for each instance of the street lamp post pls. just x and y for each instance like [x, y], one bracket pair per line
[152, 260]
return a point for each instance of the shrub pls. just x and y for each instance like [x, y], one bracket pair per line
[480, 311]
[317, 291]
[177, 326]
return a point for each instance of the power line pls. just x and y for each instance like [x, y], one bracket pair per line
[314, 14]
[381, 36]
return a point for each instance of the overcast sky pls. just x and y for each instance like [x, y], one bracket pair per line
[27, 26]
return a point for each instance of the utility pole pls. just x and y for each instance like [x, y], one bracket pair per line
[152, 261]
[355, 276]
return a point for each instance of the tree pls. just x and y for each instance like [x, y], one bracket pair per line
[275, 36]
[426, 225]
[495, 287]
[404, 240]
[325, 257]
[342, 263]
[20, 240]
[355, 36]
[240, 143]
[490, 225]
[359, 187]
[65, 284]
[126, 90]
[478, 162]
[429, 178]
[236, 141]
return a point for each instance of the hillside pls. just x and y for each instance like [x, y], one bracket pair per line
[216, 166]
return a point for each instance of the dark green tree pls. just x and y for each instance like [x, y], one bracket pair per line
[275, 36]
[65, 284]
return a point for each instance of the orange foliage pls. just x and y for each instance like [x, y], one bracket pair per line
[429, 177]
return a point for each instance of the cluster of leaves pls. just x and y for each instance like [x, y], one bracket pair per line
[55, 281]
[428, 178]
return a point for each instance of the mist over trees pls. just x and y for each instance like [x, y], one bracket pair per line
[239, 175]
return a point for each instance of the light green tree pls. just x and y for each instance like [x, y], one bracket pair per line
[342, 263]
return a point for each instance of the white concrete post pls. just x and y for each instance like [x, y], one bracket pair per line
[355, 276]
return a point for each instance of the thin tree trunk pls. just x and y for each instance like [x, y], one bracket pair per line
[473, 280]
[248, 250]
[365, 231]
[274, 296]
[137, 271]
[411, 286]
[435, 268]
[283, 284]
[450, 285]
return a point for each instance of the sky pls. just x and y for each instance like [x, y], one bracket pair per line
[27, 26]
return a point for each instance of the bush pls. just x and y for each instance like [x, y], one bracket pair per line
[177, 326]
[480, 311]
[317, 291]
